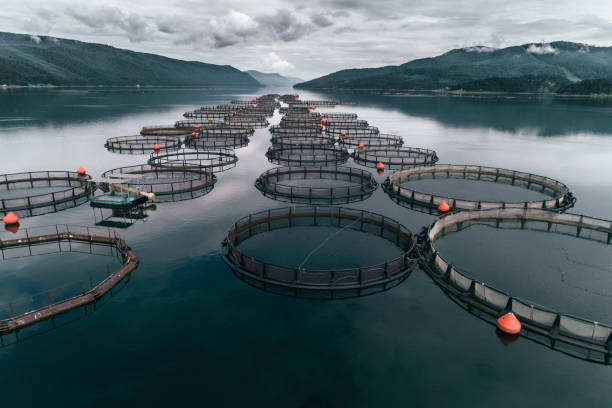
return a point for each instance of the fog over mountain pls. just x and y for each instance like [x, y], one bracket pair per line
[311, 39]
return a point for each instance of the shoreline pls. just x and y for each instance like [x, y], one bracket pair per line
[452, 93]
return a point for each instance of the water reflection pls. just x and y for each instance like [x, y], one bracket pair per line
[541, 116]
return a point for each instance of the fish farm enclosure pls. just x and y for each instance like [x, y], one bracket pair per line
[265, 211]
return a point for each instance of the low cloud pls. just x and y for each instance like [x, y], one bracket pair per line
[274, 63]
[541, 49]
[479, 49]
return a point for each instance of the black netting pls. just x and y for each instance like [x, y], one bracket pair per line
[394, 157]
[142, 144]
[70, 189]
[395, 185]
[317, 185]
[307, 155]
[303, 282]
[167, 183]
[216, 160]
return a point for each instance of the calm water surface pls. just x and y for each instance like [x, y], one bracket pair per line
[185, 330]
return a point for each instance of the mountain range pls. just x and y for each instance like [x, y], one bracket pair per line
[273, 79]
[561, 63]
[42, 60]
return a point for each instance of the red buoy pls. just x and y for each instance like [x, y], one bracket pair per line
[193, 134]
[81, 170]
[380, 172]
[321, 126]
[508, 323]
[343, 133]
[361, 145]
[380, 166]
[196, 126]
[443, 207]
[156, 147]
[209, 120]
[10, 218]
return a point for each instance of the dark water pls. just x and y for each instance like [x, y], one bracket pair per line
[474, 190]
[184, 330]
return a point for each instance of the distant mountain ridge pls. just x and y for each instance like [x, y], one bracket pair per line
[572, 61]
[273, 79]
[30, 59]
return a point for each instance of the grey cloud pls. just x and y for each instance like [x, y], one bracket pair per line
[321, 20]
[134, 26]
[284, 25]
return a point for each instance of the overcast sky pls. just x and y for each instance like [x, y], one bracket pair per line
[314, 38]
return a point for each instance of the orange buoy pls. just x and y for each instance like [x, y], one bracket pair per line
[343, 133]
[361, 145]
[380, 166]
[323, 120]
[156, 147]
[193, 134]
[508, 323]
[81, 171]
[10, 218]
[209, 120]
[443, 207]
[196, 126]
[321, 126]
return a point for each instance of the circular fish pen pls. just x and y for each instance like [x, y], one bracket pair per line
[560, 197]
[346, 123]
[167, 183]
[582, 338]
[228, 131]
[301, 131]
[67, 238]
[142, 144]
[18, 192]
[372, 141]
[317, 185]
[290, 140]
[166, 131]
[307, 155]
[215, 160]
[339, 116]
[247, 122]
[333, 283]
[394, 157]
[204, 141]
[351, 132]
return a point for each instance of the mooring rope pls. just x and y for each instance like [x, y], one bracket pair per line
[325, 241]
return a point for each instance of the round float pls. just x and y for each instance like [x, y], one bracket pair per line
[18, 192]
[215, 160]
[166, 131]
[393, 157]
[560, 196]
[20, 313]
[307, 155]
[351, 132]
[582, 338]
[317, 185]
[298, 280]
[167, 183]
[371, 141]
[142, 144]
[299, 140]
[210, 141]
